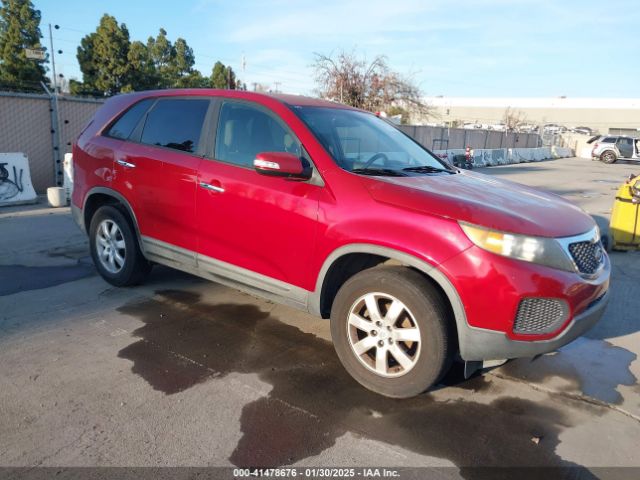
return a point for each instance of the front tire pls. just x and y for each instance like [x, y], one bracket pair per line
[392, 331]
[608, 156]
[115, 250]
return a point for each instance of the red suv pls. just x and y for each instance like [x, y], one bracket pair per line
[334, 211]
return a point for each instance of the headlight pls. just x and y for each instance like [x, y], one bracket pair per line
[540, 250]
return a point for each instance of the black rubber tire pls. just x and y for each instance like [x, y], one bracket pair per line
[136, 267]
[608, 156]
[431, 314]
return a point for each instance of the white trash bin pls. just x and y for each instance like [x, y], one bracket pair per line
[57, 196]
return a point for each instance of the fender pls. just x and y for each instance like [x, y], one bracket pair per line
[118, 196]
[406, 259]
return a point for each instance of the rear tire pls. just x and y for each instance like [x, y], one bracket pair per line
[115, 250]
[608, 156]
[406, 345]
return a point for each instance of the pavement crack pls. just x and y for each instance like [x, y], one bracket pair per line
[184, 358]
[571, 396]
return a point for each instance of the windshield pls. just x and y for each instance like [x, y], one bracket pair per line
[363, 143]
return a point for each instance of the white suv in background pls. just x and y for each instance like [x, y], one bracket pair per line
[608, 149]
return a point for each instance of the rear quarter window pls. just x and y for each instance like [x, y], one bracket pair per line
[127, 122]
[608, 140]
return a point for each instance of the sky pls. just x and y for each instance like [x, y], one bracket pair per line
[483, 48]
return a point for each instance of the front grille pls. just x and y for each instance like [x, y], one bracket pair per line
[588, 256]
[538, 316]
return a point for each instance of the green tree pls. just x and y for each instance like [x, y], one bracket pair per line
[223, 77]
[20, 29]
[194, 80]
[104, 58]
[173, 62]
[111, 64]
[161, 53]
[183, 59]
[143, 74]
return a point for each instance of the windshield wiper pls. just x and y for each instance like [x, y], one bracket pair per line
[427, 169]
[387, 172]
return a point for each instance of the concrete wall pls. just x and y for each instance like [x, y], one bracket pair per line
[438, 138]
[25, 126]
[504, 156]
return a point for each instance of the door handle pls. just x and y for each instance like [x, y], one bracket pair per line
[125, 164]
[213, 188]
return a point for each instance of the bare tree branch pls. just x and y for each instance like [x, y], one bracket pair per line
[514, 118]
[348, 79]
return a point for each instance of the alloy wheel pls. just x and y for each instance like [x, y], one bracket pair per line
[111, 247]
[383, 334]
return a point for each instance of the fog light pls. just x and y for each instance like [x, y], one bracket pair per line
[537, 316]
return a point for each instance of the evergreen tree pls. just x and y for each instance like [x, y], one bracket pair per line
[183, 59]
[223, 77]
[173, 62]
[104, 57]
[111, 64]
[193, 80]
[20, 29]
[161, 54]
[143, 74]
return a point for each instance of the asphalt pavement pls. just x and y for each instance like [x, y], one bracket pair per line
[185, 372]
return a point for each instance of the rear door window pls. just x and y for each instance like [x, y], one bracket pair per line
[124, 126]
[175, 123]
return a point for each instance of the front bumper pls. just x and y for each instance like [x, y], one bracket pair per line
[478, 344]
[490, 288]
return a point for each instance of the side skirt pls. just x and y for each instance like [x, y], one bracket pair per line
[225, 273]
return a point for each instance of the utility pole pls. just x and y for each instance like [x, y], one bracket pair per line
[277, 85]
[53, 61]
[243, 80]
[55, 117]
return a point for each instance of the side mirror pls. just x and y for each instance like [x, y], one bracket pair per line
[282, 164]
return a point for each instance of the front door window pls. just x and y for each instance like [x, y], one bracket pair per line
[245, 131]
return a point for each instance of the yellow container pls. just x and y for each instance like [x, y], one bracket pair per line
[624, 227]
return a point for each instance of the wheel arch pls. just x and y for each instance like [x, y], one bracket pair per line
[320, 300]
[99, 196]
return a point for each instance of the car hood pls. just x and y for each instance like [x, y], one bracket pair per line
[483, 200]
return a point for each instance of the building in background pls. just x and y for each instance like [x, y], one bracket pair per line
[605, 115]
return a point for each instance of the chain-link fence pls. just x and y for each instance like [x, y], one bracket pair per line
[44, 128]
[442, 138]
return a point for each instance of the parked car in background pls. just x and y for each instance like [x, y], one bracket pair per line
[583, 130]
[527, 128]
[553, 128]
[335, 211]
[501, 127]
[611, 148]
[471, 126]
